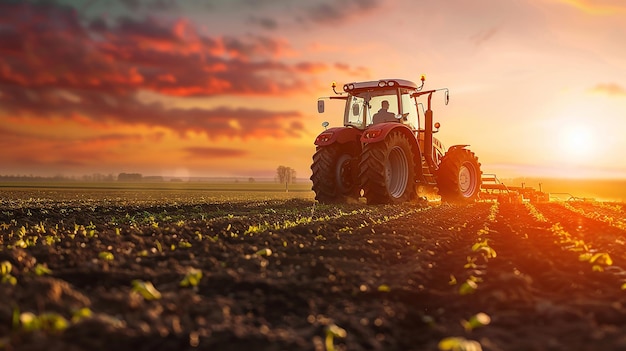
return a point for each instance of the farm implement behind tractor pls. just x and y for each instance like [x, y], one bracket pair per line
[493, 189]
[386, 149]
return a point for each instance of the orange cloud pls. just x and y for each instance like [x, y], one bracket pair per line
[598, 7]
[609, 89]
[213, 152]
[56, 65]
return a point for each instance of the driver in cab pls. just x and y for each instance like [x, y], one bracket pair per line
[383, 115]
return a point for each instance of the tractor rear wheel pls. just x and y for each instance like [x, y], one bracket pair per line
[459, 176]
[335, 171]
[387, 170]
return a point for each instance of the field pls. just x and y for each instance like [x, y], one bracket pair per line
[215, 268]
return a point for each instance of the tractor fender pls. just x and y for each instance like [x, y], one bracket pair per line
[460, 146]
[379, 132]
[340, 135]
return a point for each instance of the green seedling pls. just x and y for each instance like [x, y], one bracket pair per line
[264, 252]
[81, 314]
[21, 244]
[48, 322]
[468, 287]
[183, 244]
[483, 246]
[478, 320]
[601, 259]
[5, 273]
[333, 331]
[455, 343]
[192, 278]
[53, 322]
[106, 255]
[41, 269]
[146, 289]
[384, 288]
[5, 268]
[471, 263]
[29, 321]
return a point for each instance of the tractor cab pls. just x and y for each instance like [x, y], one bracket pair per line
[381, 101]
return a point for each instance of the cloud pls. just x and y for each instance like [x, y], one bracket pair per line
[484, 36]
[213, 152]
[57, 51]
[57, 65]
[96, 108]
[24, 149]
[612, 89]
[264, 22]
[598, 7]
[334, 12]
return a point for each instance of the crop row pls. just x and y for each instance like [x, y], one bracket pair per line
[613, 217]
[475, 269]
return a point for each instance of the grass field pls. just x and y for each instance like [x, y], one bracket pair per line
[613, 190]
[147, 192]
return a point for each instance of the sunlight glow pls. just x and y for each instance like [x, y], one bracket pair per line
[576, 141]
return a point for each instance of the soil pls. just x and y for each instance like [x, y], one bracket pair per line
[388, 277]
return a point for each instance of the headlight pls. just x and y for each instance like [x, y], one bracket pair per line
[324, 137]
[371, 134]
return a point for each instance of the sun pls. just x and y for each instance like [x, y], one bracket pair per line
[576, 141]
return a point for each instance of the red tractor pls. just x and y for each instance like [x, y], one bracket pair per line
[386, 150]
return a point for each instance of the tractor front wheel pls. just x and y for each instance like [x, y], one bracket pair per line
[459, 176]
[335, 170]
[387, 170]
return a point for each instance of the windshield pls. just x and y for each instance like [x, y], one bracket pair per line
[362, 108]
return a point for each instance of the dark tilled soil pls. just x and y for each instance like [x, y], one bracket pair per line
[390, 277]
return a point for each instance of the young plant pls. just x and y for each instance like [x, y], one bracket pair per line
[264, 252]
[333, 331]
[455, 343]
[42, 269]
[478, 320]
[146, 289]
[47, 322]
[192, 278]
[5, 273]
[106, 255]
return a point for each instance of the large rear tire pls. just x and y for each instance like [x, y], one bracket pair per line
[459, 176]
[335, 171]
[387, 170]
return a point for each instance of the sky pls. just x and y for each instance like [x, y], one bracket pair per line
[228, 88]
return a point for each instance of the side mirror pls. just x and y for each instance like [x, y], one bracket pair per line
[320, 106]
[447, 96]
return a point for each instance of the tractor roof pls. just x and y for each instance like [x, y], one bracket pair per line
[383, 83]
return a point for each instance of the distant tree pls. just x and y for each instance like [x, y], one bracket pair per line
[250, 180]
[286, 175]
[129, 177]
